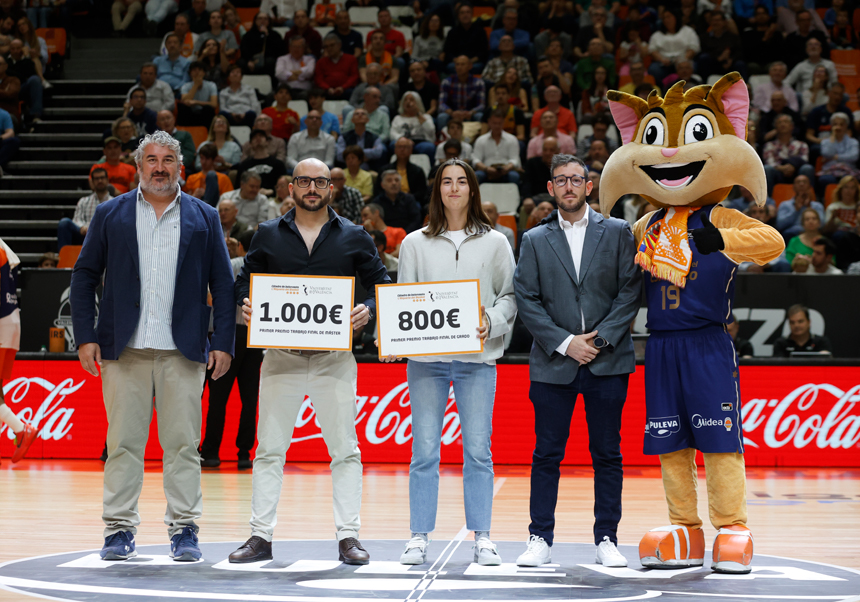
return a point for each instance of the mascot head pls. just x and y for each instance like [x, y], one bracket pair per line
[685, 150]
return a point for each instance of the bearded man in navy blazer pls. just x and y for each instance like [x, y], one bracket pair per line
[160, 252]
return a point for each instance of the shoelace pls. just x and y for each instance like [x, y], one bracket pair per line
[608, 548]
[416, 542]
[485, 544]
[535, 543]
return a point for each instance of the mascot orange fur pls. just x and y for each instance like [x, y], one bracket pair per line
[683, 153]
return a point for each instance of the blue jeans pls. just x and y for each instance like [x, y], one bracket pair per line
[68, 233]
[443, 118]
[475, 391]
[8, 148]
[604, 398]
[213, 192]
[38, 15]
[248, 119]
[31, 93]
[513, 177]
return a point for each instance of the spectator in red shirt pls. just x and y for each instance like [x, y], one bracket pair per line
[395, 42]
[120, 175]
[336, 72]
[302, 28]
[285, 121]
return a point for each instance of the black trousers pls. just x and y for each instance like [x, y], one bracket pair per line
[604, 398]
[245, 369]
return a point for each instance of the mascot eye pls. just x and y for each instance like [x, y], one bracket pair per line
[653, 132]
[698, 129]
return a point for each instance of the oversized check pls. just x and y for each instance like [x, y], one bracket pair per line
[301, 312]
[429, 318]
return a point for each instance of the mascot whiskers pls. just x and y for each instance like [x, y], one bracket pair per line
[683, 153]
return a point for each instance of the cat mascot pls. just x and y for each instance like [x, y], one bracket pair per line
[683, 153]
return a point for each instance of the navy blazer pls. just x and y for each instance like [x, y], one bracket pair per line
[203, 265]
[552, 298]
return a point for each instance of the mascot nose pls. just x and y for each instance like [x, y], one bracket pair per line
[669, 152]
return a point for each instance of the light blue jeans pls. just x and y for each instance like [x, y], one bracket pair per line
[475, 391]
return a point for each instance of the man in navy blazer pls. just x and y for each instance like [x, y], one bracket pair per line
[160, 252]
[578, 290]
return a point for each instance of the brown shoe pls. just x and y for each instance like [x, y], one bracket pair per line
[253, 550]
[351, 551]
[24, 440]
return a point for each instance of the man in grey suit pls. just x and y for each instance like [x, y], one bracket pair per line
[578, 290]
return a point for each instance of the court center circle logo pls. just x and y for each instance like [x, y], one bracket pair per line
[308, 570]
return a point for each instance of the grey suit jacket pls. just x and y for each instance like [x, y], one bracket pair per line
[550, 295]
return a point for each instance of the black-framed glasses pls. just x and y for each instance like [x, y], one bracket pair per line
[305, 181]
[560, 181]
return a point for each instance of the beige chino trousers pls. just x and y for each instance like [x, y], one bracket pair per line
[329, 379]
[134, 384]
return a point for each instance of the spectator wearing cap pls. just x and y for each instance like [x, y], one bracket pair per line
[260, 161]
[336, 72]
[165, 121]
[136, 110]
[497, 154]
[311, 143]
[208, 184]
[276, 146]
[238, 101]
[72, 231]
[285, 121]
[173, 68]
[800, 337]
[302, 29]
[463, 96]
[198, 101]
[296, 68]
[121, 176]
[367, 141]
[159, 94]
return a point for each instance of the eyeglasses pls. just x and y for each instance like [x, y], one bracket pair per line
[305, 181]
[561, 181]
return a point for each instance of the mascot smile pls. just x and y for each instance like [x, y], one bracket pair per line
[684, 153]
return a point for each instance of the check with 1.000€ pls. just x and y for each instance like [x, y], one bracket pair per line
[301, 312]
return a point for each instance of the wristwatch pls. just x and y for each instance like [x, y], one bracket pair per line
[600, 342]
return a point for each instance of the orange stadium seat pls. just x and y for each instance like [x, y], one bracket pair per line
[828, 193]
[69, 255]
[484, 12]
[198, 133]
[782, 192]
[846, 62]
[247, 14]
[821, 12]
[55, 39]
[851, 85]
[856, 21]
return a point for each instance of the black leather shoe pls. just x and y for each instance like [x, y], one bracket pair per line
[253, 550]
[351, 552]
[245, 464]
[210, 463]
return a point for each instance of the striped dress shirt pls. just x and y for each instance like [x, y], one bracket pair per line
[158, 250]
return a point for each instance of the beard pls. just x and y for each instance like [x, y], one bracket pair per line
[148, 185]
[315, 203]
[570, 207]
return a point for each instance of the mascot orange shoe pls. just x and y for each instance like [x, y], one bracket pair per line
[683, 153]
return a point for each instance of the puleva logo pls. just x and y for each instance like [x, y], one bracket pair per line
[663, 427]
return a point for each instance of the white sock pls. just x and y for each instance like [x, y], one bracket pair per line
[7, 416]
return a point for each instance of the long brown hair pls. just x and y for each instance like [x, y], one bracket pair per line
[476, 219]
[424, 30]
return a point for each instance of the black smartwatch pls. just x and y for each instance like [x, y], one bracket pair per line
[600, 342]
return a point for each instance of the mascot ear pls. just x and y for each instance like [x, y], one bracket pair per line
[627, 110]
[731, 91]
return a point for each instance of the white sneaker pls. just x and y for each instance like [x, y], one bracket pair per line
[608, 554]
[486, 553]
[536, 554]
[416, 551]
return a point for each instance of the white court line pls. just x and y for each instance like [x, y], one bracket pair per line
[430, 575]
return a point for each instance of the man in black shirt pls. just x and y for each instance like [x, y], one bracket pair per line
[466, 39]
[427, 90]
[800, 339]
[351, 42]
[401, 209]
[270, 168]
[310, 239]
[198, 17]
[22, 67]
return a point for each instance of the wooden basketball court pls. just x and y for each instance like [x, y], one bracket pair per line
[48, 507]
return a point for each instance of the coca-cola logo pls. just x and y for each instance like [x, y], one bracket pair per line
[52, 420]
[383, 418]
[792, 420]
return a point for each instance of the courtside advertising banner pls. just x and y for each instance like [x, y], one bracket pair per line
[429, 318]
[301, 312]
[792, 416]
